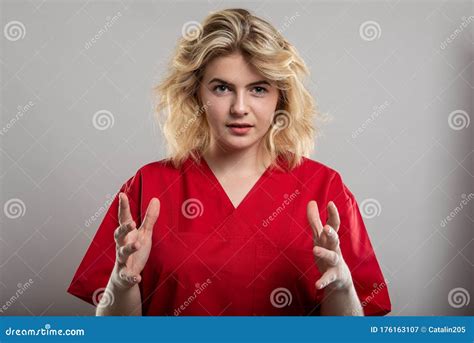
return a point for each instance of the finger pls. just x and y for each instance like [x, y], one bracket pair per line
[324, 255]
[124, 252]
[151, 215]
[314, 220]
[124, 209]
[333, 216]
[328, 278]
[129, 278]
[331, 238]
[121, 232]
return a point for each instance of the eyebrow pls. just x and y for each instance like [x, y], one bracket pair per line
[230, 84]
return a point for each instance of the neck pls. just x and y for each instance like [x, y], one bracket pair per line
[240, 162]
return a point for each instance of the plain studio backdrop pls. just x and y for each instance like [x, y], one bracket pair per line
[77, 122]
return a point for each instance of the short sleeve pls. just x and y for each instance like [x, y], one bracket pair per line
[94, 271]
[359, 254]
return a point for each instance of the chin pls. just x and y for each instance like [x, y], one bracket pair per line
[239, 143]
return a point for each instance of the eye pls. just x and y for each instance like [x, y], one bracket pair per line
[260, 90]
[221, 89]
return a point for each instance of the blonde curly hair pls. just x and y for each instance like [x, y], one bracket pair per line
[224, 32]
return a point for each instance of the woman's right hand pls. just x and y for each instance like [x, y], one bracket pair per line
[133, 245]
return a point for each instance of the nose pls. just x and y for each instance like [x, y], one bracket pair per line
[239, 106]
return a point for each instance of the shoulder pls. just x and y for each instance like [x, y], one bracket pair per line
[162, 170]
[163, 166]
[320, 176]
[309, 168]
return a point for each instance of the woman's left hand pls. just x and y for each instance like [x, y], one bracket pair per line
[334, 270]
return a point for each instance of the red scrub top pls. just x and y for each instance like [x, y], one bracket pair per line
[209, 258]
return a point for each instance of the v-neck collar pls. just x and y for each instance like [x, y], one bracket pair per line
[216, 183]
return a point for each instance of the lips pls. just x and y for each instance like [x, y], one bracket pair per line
[239, 125]
[239, 129]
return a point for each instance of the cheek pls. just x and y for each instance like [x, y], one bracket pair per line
[265, 113]
[216, 114]
[216, 108]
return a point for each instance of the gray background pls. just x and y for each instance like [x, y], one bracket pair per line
[59, 169]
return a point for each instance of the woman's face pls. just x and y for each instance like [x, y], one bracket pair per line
[239, 102]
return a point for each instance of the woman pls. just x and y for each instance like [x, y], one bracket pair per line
[229, 224]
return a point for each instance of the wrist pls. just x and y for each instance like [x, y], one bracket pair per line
[342, 286]
[118, 283]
